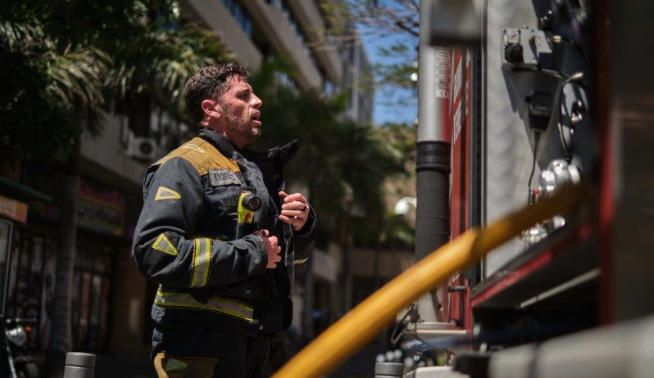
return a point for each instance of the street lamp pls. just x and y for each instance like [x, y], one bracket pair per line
[402, 205]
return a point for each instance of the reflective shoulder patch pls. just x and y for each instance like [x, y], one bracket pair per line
[194, 147]
[164, 193]
[221, 177]
[162, 244]
[201, 155]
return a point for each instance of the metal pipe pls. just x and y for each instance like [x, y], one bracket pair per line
[433, 143]
[433, 151]
[433, 197]
[433, 85]
[361, 324]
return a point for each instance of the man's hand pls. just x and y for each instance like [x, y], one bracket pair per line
[272, 248]
[295, 210]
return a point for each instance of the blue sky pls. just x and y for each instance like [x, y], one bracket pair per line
[395, 106]
[392, 105]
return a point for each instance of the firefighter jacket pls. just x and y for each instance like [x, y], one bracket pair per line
[209, 270]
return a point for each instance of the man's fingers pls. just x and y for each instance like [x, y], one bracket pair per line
[273, 249]
[295, 208]
[292, 197]
[287, 219]
[274, 252]
[295, 205]
[262, 232]
[293, 213]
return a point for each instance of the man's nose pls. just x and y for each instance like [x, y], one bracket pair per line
[256, 101]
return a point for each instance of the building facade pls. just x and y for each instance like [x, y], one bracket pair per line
[258, 30]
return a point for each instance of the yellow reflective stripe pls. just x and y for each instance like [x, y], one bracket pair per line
[163, 244]
[300, 261]
[214, 304]
[206, 261]
[201, 262]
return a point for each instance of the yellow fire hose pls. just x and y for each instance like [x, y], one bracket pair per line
[362, 323]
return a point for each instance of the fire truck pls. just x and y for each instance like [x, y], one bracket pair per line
[535, 198]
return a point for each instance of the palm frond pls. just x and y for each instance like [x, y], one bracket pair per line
[77, 77]
[189, 49]
[15, 36]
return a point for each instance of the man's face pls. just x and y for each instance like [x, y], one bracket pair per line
[240, 112]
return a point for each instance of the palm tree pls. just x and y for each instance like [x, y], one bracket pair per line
[63, 71]
[336, 156]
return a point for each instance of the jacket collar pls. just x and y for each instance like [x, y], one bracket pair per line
[219, 141]
[279, 155]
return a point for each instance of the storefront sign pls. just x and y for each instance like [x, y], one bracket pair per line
[13, 209]
[101, 210]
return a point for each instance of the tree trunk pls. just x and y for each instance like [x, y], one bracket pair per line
[61, 339]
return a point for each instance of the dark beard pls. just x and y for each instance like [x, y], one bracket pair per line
[242, 131]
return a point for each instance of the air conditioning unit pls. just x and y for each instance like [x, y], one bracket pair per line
[142, 148]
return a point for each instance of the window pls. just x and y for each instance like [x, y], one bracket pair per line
[240, 15]
[31, 283]
[299, 33]
[92, 298]
[328, 88]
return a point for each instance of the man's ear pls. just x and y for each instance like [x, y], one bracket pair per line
[211, 108]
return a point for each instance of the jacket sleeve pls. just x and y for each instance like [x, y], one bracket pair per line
[165, 246]
[303, 238]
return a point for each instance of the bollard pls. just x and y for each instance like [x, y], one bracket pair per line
[389, 370]
[79, 365]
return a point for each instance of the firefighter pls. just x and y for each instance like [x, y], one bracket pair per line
[224, 267]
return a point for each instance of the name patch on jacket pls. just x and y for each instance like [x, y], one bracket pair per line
[222, 177]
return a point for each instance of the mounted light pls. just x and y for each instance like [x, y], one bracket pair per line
[557, 173]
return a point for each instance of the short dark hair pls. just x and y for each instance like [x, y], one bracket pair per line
[209, 82]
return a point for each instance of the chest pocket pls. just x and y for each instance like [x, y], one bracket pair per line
[223, 189]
